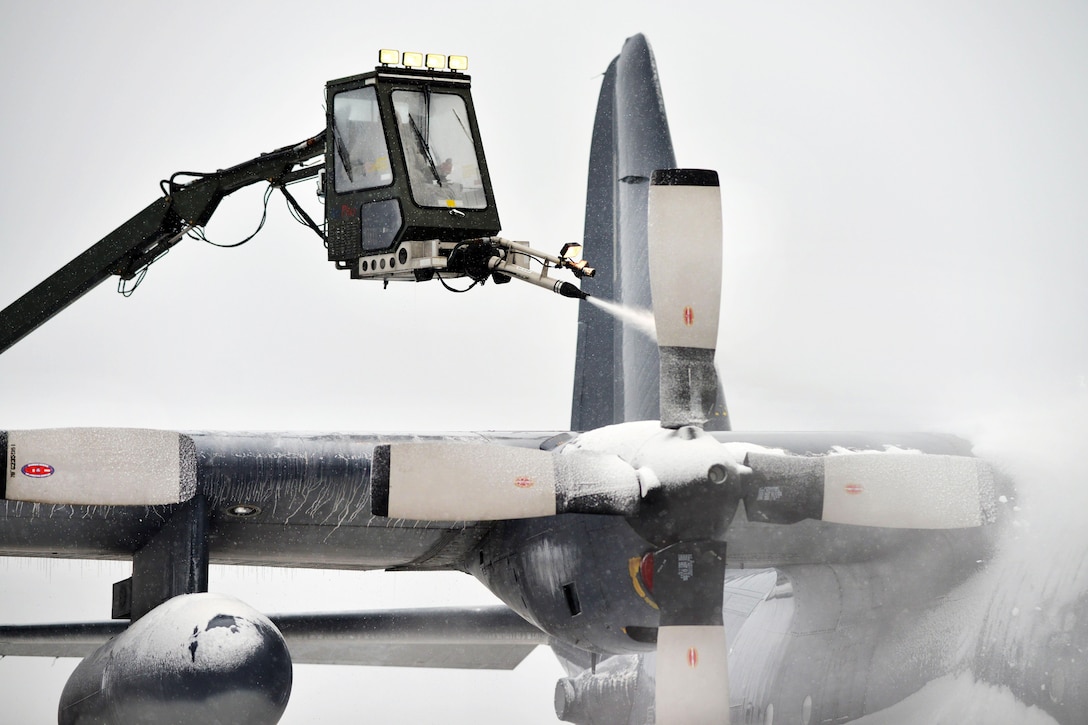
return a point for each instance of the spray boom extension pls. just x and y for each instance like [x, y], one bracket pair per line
[569, 256]
[503, 260]
[558, 286]
[566, 258]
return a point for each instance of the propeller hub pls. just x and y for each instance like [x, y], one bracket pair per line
[689, 482]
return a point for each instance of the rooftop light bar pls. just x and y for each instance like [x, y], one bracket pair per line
[433, 61]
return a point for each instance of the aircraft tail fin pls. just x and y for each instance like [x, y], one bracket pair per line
[616, 374]
[598, 393]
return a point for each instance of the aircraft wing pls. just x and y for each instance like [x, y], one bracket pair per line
[492, 637]
[304, 500]
[297, 500]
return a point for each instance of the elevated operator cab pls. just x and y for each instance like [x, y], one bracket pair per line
[405, 173]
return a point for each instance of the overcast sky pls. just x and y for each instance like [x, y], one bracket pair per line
[903, 185]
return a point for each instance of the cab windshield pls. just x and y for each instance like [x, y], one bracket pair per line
[439, 150]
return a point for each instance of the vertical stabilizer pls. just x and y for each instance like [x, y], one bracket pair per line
[616, 374]
[598, 391]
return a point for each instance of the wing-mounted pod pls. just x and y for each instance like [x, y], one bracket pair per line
[196, 658]
[404, 167]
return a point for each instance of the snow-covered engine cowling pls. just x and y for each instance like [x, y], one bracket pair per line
[197, 658]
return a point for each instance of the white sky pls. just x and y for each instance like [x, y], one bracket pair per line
[903, 186]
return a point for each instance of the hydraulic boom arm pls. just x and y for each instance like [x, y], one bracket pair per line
[150, 233]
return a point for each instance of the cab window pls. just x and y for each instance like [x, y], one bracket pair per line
[439, 150]
[360, 155]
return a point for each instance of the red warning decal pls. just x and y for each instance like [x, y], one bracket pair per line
[854, 489]
[689, 316]
[693, 657]
[37, 470]
[523, 482]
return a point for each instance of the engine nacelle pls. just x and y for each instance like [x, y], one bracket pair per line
[574, 577]
[198, 658]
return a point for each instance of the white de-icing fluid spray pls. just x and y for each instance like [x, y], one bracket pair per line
[640, 319]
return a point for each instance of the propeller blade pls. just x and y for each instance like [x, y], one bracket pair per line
[98, 466]
[692, 679]
[685, 259]
[452, 481]
[890, 490]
